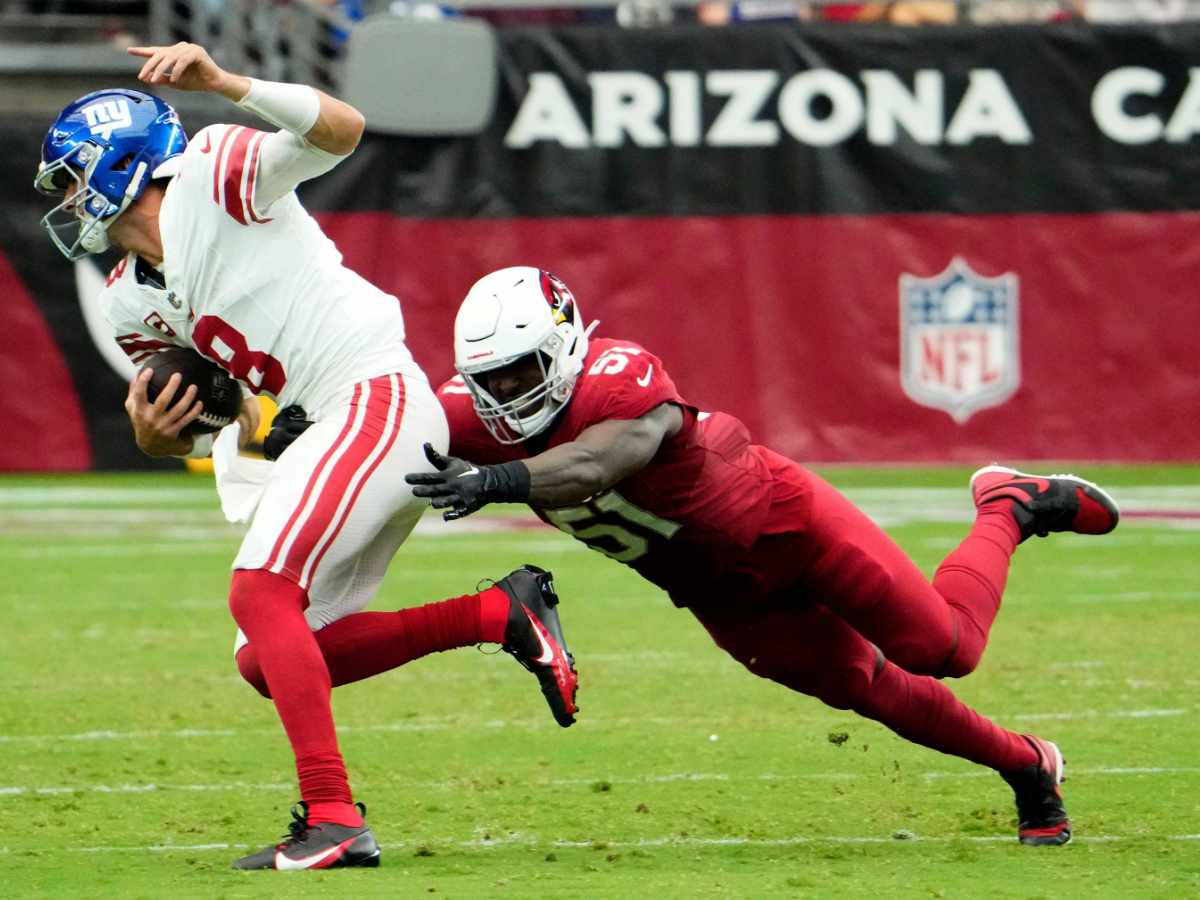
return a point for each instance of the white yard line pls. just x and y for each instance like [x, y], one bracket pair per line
[201, 494]
[76, 508]
[189, 733]
[18, 791]
[131, 547]
[1098, 714]
[11, 791]
[1075, 772]
[1128, 597]
[530, 723]
[665, 841]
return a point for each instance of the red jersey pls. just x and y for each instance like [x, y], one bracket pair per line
[688, 519]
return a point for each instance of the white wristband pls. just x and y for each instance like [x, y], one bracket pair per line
[292, 107]
[201, 446]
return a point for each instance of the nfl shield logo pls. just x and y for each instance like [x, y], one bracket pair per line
[958, 340]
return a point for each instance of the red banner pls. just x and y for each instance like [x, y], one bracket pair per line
[40, 410]
[793, 322]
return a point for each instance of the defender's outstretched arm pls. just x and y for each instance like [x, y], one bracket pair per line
[570, 473]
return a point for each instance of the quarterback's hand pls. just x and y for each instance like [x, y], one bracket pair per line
[248, 417]
[156, 425]
[461, 488]
[188, 67]
[289, 423]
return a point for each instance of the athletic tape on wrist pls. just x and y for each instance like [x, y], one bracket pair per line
[292, 107]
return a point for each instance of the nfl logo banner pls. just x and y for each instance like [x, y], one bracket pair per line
[959, 340]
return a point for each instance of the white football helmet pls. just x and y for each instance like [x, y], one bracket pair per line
[509, 314]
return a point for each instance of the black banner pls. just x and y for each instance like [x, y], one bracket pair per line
[815, 120]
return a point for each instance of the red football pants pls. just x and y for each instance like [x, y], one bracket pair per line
[856, 591]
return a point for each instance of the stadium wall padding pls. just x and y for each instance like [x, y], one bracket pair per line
[872, 244]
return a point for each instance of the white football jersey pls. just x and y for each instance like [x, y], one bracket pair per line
[249, 279]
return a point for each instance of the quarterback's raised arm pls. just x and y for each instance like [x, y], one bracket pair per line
[323, 121]
[570, 473]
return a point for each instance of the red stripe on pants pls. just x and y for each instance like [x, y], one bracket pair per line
[391, 431]
[312, 482]
[366, 429]
[369, 430]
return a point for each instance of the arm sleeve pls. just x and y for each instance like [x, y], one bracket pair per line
[285, 160]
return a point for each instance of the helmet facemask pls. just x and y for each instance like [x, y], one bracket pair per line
[79, 225]
[528, 414]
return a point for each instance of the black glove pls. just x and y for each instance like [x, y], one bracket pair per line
[289, 423]
[460, 488]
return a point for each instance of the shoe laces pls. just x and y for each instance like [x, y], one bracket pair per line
[297, 828]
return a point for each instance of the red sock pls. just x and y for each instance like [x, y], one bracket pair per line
[925, 711]
[339, 813]
[367, 643]
[972, 579]
[269, 609]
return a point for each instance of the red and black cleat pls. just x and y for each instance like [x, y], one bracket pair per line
[534, 637]
[1041, 817]
[1045, 503]
[324, 845]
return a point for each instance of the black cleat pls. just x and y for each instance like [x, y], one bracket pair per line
[534, 638]
[1045, 503]
[321, 846]
[1041, 816]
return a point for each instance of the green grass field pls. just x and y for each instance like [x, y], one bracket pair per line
[135, 763]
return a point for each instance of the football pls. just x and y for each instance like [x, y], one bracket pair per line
[215, 388]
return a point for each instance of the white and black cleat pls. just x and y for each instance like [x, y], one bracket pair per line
[325, 845]
[534, 638]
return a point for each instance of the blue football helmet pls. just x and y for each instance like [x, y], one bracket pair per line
[99, 155]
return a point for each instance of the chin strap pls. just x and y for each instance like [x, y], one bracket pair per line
[95, 238]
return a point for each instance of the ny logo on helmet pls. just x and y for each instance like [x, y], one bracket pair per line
[107, 116]
[959, 340]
